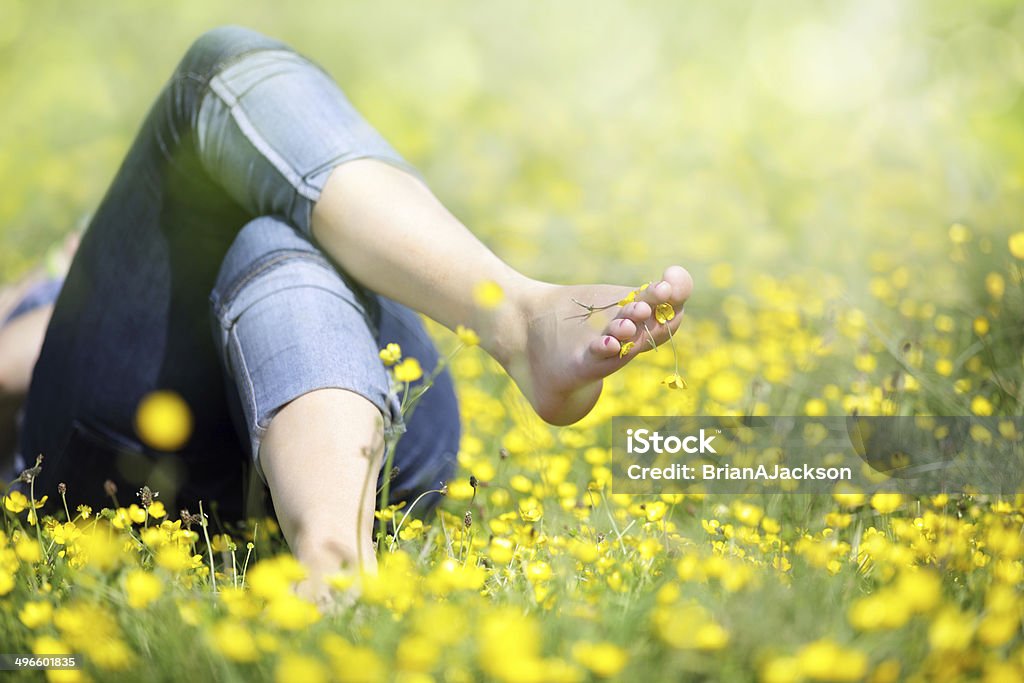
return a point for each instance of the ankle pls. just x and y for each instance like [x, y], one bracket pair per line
[504, 329]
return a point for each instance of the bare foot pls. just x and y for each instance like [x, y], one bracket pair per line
[577, 335]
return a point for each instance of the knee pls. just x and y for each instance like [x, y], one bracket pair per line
[207, 44]
[213, 47]
[260, 239]
[219, 39]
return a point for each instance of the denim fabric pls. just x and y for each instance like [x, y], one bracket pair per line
[244, 128]
[271, 128]
[288, 323]
[40, 294]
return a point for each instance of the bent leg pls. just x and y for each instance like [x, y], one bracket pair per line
[282, 139]
[315, 400]
[321, 456]
[241, 129]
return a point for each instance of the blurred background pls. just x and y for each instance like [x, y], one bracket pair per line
[836, 142]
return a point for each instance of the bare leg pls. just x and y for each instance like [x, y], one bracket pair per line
[387, 230]
[321, 455]
[20, 342]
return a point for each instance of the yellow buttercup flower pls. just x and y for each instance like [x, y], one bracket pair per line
[726, 387]
[467, 336]
[626, 348]
[886, 502]
[292, 612]
[674, 381]
[501, 550]
[391, 354]
[36, 614]
[711, 636]
[156, 510]
[48, 645]
[136, 514]
[412, 530]
[602, 659]
[848, 495]
[488, 294]
[273, 578]
[163, 420]
[951, 630]
[531, 510]
[664, 313]
[16, 502]
[959, 234]
[824, 660]
[981, 406]
[27, 549]
[1016, 245]
[142, 588]
[995, 285]
[781, 670]
[408, 370]
[173, 558]
[298, 668]
[233, 640]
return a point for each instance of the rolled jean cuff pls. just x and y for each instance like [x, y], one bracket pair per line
[272, 126]
[290, 326]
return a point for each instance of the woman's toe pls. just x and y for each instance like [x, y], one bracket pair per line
[680, 284]
[637, 312]
[605, 346]
[658, 293]
[622, 329]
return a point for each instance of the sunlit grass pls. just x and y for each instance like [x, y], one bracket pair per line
[845, 184]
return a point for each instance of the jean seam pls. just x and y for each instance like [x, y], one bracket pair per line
[205, 77]
[306, 286]
[264, 266]
[217, 87]
[294, 60]
[250, 388]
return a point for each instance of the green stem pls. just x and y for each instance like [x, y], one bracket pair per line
[389, 462]
[409, 511]
[66, 511]
[248, 552]
[408, 406]
[209, 547]
[611, 518]
[32, 512]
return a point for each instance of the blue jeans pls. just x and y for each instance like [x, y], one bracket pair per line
[209, 220]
